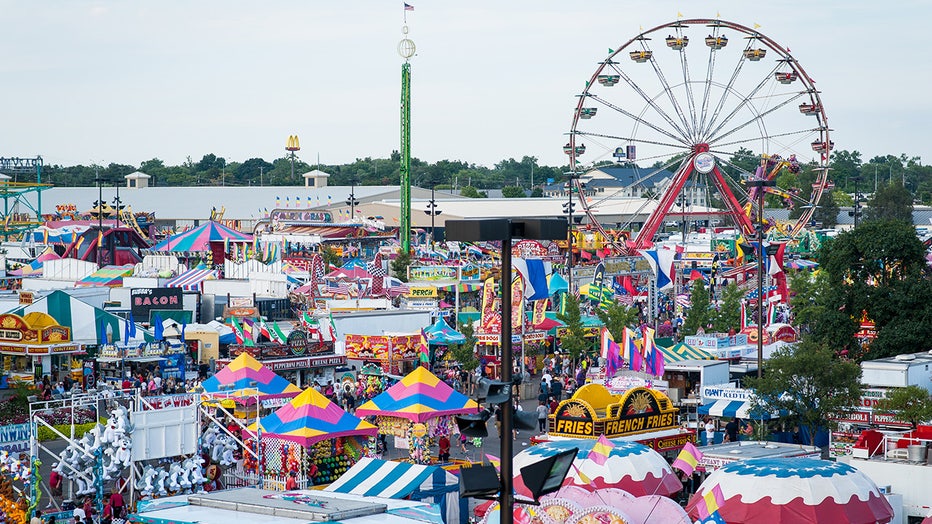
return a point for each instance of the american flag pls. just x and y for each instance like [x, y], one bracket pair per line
[378, 274]
[338, 288]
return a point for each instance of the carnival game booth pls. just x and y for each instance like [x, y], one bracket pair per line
[640, 414]
[399, 480]
[395, 353]
[33, 345]
[310, 436]
[304, 358]
[419, 409]
[116, 361]
[244, 382]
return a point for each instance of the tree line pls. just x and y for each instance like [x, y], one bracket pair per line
[515, 177]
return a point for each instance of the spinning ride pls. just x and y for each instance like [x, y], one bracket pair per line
[716, 103]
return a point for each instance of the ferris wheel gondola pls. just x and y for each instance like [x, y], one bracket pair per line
[716, 116]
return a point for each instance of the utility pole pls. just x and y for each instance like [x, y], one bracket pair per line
[856, 213]
[352, 202]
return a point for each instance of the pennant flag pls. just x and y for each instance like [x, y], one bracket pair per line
[582, 476]
[611, 353]
[424, 354]
[534, 272]
[409, 7]
[661, 262]
[333, 328]
[688, 459]
[601, 450]
[495, 461]
[648, 348]
[157, 327]
[240, 335]
[744, 314]
[378, 273]
[184, 326]
[712, 500]
[632, 354]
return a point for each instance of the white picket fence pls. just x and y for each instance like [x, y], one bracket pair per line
[231, 479]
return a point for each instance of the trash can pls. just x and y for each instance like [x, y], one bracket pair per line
[916, 453]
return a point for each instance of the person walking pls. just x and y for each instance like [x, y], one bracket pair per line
[542, 411]
[443, 449]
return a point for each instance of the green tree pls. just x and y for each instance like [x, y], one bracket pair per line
[465, 353]
[616, 317]
[399, 265]
[911, 404]
[574, 341]
[512, 192]
[331, 258]
[891, 202]
[810, 383]
[827, 211]
[471, 192]
[537, 192]
[699, 314]
[728, 315]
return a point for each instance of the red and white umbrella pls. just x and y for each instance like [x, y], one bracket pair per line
[630, 466]
[798, 490]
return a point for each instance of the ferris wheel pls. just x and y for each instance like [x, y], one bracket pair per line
[707, 112]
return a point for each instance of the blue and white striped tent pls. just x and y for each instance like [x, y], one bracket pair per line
[734, 409]
[399, 480]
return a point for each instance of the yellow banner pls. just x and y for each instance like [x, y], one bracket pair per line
[422, 292]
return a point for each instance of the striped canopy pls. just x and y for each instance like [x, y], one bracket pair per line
[192, 280]
[200, 238]
[684, 351]
[109, 276]
[311, 417]
[419, 396]
[245, 372]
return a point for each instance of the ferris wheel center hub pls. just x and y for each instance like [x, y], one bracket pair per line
[700, 148]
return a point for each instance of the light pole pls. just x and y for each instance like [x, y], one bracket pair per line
[856, 213]
[116, 201]
[761, 253]
[433, 212]
[568, 209]
[352, 202]
[100, 212]
[505, 230]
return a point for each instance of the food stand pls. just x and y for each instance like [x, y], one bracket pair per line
[34, 345]
[640, 414]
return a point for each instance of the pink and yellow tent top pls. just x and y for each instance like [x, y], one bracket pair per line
[419, 396]
[248, 378]
[311, 417]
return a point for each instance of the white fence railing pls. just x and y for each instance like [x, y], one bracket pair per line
[232, 479]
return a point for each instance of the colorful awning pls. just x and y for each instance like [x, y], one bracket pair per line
[200, 238]
[419, 396]
[311, 417]
[734, 409]
[192, 280]
[107, 276]
[245, 372]
[684, 351]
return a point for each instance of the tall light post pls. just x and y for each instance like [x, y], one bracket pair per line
[117, 202]
[761, 253]
[568, 209]
[856, 212]
[505, 230]
[352, 202]
[100, 212]
[292, 146]
[433, 212]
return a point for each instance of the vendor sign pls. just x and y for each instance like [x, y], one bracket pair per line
[422, 292]
[417, 273]
[14, 438]
[593, 411]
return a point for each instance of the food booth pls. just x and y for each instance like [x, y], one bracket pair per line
[34, 345]
[640, 415]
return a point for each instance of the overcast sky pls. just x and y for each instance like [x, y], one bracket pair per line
[121, 81]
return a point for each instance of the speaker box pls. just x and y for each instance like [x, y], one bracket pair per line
[479, 481]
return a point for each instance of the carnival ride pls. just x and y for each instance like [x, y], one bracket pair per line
[722, 117]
